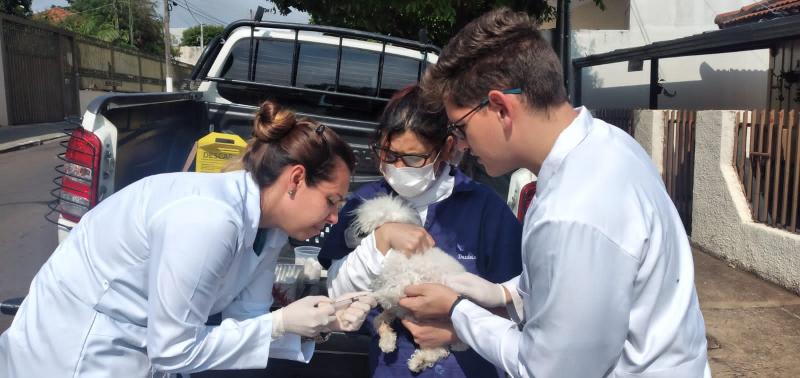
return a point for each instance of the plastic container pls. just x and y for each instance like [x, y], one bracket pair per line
[305, 252]
[288, 283]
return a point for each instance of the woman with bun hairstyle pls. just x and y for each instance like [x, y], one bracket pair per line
[128, 293]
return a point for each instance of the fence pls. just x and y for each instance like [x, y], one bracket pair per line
[767, 158]
[44, 67]
[678, 174]
[109, 68]
[622, 118]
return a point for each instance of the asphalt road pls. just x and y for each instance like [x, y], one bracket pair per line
[26, 238]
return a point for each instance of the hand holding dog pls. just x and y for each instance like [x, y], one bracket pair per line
[431, 334]
[403, 237]
[429, 300]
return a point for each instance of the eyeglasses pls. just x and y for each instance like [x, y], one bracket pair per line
[457, 128]
[410, 160]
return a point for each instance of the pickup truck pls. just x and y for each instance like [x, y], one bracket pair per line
[340, 77]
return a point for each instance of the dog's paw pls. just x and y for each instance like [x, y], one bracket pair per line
[418, 363]
[388, 342]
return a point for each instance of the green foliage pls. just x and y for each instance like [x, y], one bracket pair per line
[404, 18]
[191, 36]
[108, 20]
[16, 7]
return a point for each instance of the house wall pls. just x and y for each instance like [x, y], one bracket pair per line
[722, 223]
[720, 81]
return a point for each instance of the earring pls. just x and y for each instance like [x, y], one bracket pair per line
[291, 194]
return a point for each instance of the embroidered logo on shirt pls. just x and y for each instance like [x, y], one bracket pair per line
[468, 256]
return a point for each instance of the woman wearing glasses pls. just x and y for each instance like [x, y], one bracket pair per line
[128, 293]
[462, 217]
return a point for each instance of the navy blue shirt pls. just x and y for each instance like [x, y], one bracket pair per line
[473, 225]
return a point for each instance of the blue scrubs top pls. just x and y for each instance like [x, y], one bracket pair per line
[474, 226]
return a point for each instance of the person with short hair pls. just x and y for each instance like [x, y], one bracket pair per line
[465, 219]
[128, 293]
[607, 287]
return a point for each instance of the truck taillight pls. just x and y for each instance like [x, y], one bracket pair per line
[78, 186]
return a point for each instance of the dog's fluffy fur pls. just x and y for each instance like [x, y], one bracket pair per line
[400, 271]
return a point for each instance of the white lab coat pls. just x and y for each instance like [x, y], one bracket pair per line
[608, 279]
[128, 293]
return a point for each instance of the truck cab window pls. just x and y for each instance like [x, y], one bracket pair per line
[398, 73]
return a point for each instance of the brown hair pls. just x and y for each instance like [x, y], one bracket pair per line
[281, 139]
[500, 50]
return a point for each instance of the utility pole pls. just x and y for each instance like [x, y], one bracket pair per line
[167, 48]
[116, 17]
[201, 37]
[130, 22]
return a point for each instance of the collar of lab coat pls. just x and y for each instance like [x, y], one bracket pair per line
[569, 138]
[252, 215]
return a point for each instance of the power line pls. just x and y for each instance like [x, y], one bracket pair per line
[202, 14]
[190, 11]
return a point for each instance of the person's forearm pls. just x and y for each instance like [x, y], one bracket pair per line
[495, 338]
[356, 270]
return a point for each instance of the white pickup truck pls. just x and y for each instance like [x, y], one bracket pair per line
[340, 77]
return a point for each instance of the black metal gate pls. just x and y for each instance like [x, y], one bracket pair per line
[40, 70]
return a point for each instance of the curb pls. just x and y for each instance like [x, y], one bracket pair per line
[30, 142]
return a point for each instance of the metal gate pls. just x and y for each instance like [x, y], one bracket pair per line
[679, 161]
[39, 73]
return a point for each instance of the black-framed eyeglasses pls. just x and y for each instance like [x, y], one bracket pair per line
[456, 128]
[410, 160]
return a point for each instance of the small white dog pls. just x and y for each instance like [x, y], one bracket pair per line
[400, 271]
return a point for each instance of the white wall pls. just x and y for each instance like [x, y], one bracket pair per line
[720, 81]
[189, 54]
[721, 220]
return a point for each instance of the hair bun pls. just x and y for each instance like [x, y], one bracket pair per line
[272, 122]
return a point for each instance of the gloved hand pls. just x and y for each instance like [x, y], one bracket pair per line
[307, 317]
[484, 293]
[351, 310]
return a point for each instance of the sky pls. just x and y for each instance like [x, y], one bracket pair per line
[205, 11]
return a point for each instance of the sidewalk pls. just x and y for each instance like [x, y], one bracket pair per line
[22, 136]
[753, 326]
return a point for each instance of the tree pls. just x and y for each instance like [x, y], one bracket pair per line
[191, 36]
[16, 7]
[108, 20]
[404, 18]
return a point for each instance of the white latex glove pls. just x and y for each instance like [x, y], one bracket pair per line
[307, 317]
[484, 293]
[351, 310]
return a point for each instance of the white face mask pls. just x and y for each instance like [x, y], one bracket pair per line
[409, 182]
